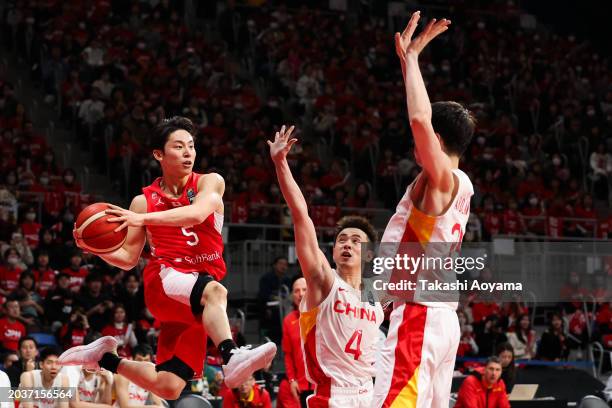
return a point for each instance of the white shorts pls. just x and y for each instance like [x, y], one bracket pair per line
[416, 364]
[342, 397]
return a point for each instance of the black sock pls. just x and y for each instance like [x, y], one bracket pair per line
[225, 348]
[110, 362]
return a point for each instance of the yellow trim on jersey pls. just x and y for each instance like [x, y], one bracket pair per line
[407, 398]
[308, 320]
[422, 224]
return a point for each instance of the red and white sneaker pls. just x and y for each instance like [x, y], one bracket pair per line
[89, 354]
[245, 361]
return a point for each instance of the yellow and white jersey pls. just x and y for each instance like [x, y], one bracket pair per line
[436, 233]
[340, 337]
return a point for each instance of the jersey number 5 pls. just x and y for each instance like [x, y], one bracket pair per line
[191, 242]
[353, 346]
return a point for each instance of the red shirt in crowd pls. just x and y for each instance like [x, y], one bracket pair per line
[77, 337]
[9, 278]
[10, 333]
[259, 398]
[512, 222]
[30, 232]
[482, 310]
[77, 278]
[119, 333]
[475, 393]
[45, 280]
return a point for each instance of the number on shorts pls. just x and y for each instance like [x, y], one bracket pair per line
[192, 234]
[354, 345]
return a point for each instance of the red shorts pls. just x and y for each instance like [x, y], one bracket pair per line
[182, 335]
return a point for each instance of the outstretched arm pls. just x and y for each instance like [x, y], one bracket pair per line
[435, 162]
[208, 200]
[313, 263]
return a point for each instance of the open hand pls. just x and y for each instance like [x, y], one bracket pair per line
[282, 143]
[404, 44]
[127, 218]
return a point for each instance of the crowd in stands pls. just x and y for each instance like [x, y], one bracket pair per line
[542, 148]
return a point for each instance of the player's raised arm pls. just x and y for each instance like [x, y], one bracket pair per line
[313, 263]
[208, 200]
[434, 161]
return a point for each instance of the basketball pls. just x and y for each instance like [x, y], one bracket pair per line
[96, 233]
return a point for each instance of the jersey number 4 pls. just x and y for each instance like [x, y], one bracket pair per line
[353, 346]
[193, 237]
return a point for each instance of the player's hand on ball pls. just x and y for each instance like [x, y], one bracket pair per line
[282, 143]
[405, 44]
[127, 218]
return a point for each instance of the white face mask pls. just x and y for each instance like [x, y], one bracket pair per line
[44, 181]
[12, 260]
[556, 161]
[69, 179]
[533, 201]
[30, 216]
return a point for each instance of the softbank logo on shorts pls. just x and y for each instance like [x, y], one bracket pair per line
[204, 257]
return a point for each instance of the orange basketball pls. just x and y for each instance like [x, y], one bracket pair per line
[97, 235]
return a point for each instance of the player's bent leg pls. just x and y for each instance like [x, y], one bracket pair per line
[164, 384]
[239, 363]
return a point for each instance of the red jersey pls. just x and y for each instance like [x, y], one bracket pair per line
[10, 333]
[190, 248]
[77, 278]
[30, 232]
[9, 278]
[124, 349]
[77, 337]
[45, 280]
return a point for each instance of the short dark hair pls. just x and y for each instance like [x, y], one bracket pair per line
[278, 258]
[455, 125]
[493, 359]
[49, 351]
[143, 350]
[166, 127]
[24, 339]
[359, 222]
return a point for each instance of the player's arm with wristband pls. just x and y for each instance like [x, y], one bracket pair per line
[435, 162]
[208, 200]
[314, 265]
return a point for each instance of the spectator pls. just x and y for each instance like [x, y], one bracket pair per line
[467, 343]
[23, 249]
[8, 359]
[484, 390]
[505, 353]
[131, 295]
[523, 338]
[601, 165]
[76, 271]
[10, 271]
[48, 243]
[5, 383]
[130, 394]
[29, 300]
[96, 304]
[553, 342]
[74, 332]
[248, 395]
[31, 228]
[299, 387]
[122, 331]
[28, 359]
[59, 303]
[44, 275]
[11, 327]
[270, 286]
[93, 388]
[489, 335]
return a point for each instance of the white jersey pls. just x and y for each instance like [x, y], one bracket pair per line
[409, 224]
[37, 383]
[88, 388]
[136, 395]
[339, 337]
